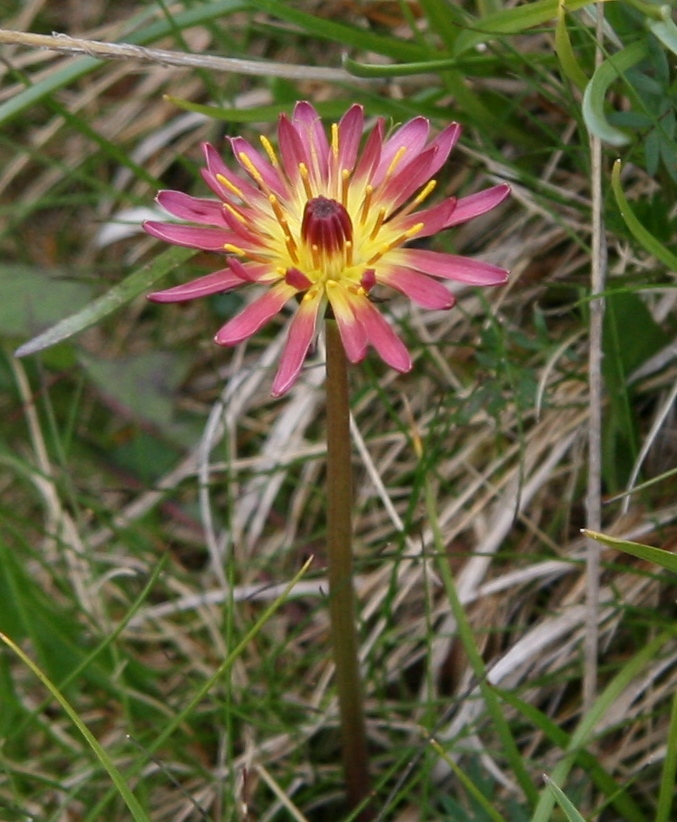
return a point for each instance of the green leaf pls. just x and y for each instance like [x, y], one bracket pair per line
[639, 232]
[586, 727]
[665, 30]
[595, 93]
[658, 556]
[32, 299]
[137, 283]
[513, 21]
[572, 814]
[144, 385]
[571, 68]
[100, 752]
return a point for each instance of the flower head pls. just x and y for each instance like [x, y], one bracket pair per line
[324, 223]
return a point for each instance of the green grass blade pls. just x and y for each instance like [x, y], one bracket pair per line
[572, 814]
[137, 283]
[204, 689]
[616, 794]
[350, 36]
[666, 794]
[82, 66]
[513, 21]
[587, 725]
[469, 785]
[494, 709]
[665, 559]
[100, 752]
[565, 52]
[638, 231]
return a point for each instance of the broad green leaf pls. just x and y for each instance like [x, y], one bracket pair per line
[595, 92]
[658, 556]
[137, 283]
[638, 231]
[144, 385]
[665, 30]
[32, 299]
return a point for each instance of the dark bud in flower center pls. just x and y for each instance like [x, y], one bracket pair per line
[326, 224]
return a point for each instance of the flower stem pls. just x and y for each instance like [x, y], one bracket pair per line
[340, 559]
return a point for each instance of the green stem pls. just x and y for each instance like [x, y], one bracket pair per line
[340, 559]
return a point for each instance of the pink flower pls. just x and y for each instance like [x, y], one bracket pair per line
[322, 222]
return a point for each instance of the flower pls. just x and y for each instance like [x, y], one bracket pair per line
[323, 222]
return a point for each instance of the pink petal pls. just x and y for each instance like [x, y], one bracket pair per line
[352, 332]
[292, 149]
[253, 272]
[449, 266]
[389, 346]
[412, 136]
[350, 130]
[216, 167]
[370, 154]
[311, 131]
[445, 142]
[255, 315]
[480, 203]
[418, 287]
[301, 335]
[406, 181]
[268, 174]
[194, 209]
[434, 219]
[207, 239]
[214, 283]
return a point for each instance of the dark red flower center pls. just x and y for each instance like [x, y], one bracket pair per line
[326, 225]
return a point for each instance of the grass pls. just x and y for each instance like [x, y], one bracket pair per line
[156, 502]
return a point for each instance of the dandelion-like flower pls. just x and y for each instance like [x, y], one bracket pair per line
[323, 222]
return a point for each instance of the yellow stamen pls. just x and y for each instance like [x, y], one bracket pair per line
[250, 255]
[349, 252]
[368, 191]
[279, 216]
[315, 251]
[251, 168]
[401, 151]
[418, 199]
[292, 250]
[237, 214]
[270, 151]
[334, 139]
[398, 241]
[345, 186]
[425, 192]
[230, 186]
[235, 249]
[305, 178]
[379, 222]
